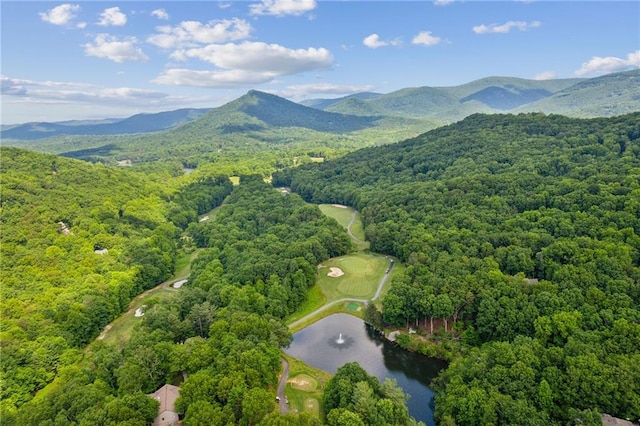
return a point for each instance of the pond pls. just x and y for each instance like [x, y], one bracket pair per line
[341, 338]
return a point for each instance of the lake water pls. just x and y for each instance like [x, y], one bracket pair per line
[341, 338]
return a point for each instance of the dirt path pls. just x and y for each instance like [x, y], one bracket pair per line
[284, 408]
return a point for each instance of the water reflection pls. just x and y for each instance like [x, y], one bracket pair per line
[317, 345]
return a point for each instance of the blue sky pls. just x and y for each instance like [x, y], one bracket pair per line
[96, 59]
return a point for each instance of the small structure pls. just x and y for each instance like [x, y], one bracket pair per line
[608, 420]
[166, 396]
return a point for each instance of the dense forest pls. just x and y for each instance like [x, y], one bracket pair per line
[222, 334]
[522, 234]
[521, 241]
[79, 241]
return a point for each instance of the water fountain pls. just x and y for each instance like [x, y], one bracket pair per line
[340, 342]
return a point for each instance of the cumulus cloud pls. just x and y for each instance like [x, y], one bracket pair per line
[546, 75]
[247, 63]
[215, 78]
[260, 57]
[506, 27]
[160, 14]
[304, 90]
[609, 64]
[425, 38]
[373, 41]
[110, 47]
[282, 7]
[192, 33]
[112, 16]
[61, 15]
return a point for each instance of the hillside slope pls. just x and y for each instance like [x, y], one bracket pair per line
[521, 235]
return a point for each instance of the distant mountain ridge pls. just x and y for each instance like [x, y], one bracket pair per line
[487, 95]
[139, 123]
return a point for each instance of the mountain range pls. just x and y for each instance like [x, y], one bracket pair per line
[259, 120]
[139, 123]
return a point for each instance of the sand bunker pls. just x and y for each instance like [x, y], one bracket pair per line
[178, 284]
[340, 206]
[335, 272]
[140, 311]
[303, 382]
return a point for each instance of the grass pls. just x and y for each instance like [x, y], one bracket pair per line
[121, 328]
[315, 299]
[341, 214]
[339, 308]
[305, 387]
[362, 274]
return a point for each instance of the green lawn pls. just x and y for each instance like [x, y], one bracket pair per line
[315, 299]
[305, 387]
[120, 329]
[343, 215]
[362, 274]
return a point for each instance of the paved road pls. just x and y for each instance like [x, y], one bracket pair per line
[284, 408]
[353, 218]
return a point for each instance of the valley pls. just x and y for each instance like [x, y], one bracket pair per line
[514, 239]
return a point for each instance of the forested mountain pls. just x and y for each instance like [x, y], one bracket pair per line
[78, 242]
[522, 233]
[447, 104]
[139, 123]
[325, 103]
[255, 122]
[611, 94]
[223, 332]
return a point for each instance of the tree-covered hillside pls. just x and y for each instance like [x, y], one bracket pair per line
[522, 233]
[78, 242]
[220, 335]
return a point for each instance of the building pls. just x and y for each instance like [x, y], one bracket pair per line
[166, 396]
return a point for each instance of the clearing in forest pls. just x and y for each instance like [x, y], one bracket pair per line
[362, 274]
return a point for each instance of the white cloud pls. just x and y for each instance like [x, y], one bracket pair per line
[247, 63]
[81, 25]
[108, 46]
[190, 33]
[74, 91]
[260, 57]
[304, 90]
[55, 101]
[60, 15]
[112, 16]
[282, 7]
[160, 14]
[224, 5]
[506, 27]
[609, 64]
[208, 78]
[442, 2]
[373, 41]
[546, 75]
[425, 38]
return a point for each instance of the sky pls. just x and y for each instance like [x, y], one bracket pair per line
[96, 59]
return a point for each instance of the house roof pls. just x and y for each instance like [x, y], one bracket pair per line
[166, 396]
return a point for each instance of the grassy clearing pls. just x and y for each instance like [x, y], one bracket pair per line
[362, 274]
[338, 308]
[120, 329]
[305, 387]
[343, 216]
[315, 299]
